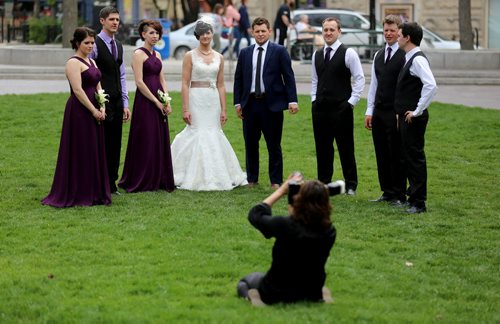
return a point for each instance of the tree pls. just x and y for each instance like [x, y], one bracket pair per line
[36, 8]
[465, 25]
[190, 9]
[69, 21]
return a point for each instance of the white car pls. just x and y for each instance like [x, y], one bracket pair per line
[433, 40]
[355, 28]
[183, 40]
[430, 39]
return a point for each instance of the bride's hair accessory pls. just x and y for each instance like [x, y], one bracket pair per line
[203, 26]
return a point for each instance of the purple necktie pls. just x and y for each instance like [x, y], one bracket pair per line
[389, 50]
[113, 48]
[327, 55]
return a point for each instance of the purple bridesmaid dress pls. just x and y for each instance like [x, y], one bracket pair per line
[148, 162]
[81, 176]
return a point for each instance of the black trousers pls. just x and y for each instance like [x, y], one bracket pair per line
[280, 36]
[257, 120]
[334, 122]
[113, 139]
[387, 143]
[413, 157]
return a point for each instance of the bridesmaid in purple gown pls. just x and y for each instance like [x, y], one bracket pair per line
[148, 162]
[80, 178]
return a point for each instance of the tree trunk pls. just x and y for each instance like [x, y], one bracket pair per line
[190, 9]
[69, 21]
[36, 8]
[464, 21]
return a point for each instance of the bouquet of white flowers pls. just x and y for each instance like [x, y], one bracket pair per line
[101, 97]
[164, 97]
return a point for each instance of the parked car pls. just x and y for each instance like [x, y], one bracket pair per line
[183, 40]
[430, 39]
[355, 28]
[434, 40]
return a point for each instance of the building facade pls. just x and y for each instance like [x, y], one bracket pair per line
[441, 18]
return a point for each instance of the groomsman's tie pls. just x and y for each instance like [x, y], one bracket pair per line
[113, 48]
[258, 91]
[389, 50]
[327, 55]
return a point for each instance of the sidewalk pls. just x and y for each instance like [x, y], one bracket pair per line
[22, 79]
[484, 96]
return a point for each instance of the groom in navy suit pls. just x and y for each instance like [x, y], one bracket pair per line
[264, 86]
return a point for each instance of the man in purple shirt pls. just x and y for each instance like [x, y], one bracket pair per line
[108, 55]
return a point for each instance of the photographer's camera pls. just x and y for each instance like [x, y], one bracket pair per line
[334, 188]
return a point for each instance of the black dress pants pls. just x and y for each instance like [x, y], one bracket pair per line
[257, 120]
[113, 140]
[413, 157]
[334, 122]
[280, 36]
[387, 143]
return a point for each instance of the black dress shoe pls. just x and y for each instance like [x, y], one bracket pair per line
[416, 210]
[382, 199]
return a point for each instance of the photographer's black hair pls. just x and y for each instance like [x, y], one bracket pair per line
[79, 35]
[311, 206]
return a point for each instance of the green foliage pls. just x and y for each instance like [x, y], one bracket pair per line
[41, 29]
[176, 257]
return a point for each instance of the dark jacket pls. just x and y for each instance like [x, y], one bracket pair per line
[299, 256]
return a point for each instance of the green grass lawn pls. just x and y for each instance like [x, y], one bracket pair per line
[160, 257]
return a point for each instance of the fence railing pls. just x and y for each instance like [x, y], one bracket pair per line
[21, 34]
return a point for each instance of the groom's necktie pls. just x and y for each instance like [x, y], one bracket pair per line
[258, 91]
[113, 48]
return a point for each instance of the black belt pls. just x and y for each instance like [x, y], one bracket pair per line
[253, 95]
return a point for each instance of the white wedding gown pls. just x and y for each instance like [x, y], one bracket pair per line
[202, 157]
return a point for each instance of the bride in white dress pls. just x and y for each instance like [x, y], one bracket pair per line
[202, 157]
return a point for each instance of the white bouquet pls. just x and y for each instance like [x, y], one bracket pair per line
[101, 97]
[164, 97]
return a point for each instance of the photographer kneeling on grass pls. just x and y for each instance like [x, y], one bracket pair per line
[303, 243]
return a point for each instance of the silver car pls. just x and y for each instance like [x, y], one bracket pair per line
[355, 28]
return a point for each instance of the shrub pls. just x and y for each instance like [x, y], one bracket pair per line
[43, 30]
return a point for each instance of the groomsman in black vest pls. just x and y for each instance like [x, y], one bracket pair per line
[333, 100]
[108, 55]
[415, 89]
[380, 116]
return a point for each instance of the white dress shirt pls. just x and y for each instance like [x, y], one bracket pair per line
[353, 63]
[374, 81]
[254, 66]
[421, 69]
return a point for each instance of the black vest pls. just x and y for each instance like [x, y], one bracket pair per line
[408, 88]
[387, 77]
[110, 69]
[334, 79]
